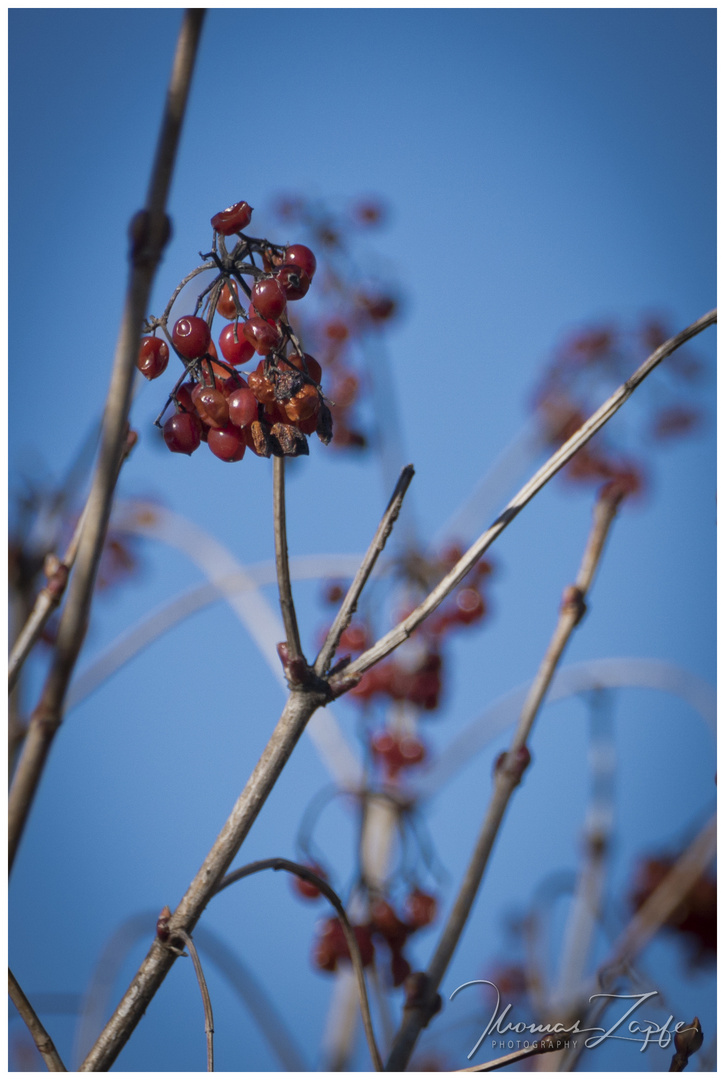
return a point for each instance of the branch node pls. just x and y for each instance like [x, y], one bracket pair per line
[572, 601]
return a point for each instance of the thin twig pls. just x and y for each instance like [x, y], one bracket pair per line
[506, 778]
[349, 604]
[284, 585]
[308, 875]
[149, 233]
[208, 1014]
[557, 461]
[41, 1038]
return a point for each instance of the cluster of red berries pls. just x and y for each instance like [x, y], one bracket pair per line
[385, 926]
[572, 386]
[273, 408]
[352, 309]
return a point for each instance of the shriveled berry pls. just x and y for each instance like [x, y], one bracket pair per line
[304, 404]
[227, 443]
[153, 356]
[313, 368]
[234, 346]
[269, 298]
[262, 388]
[182, 433]
[191, 336]
[233, 219]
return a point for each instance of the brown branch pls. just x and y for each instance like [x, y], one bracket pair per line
[149, 233]
[284, 585]
[349, 604]
[546, 1045]
[41, 1038]
[206, 1000]
[557, 461]
[300, 706]
[329, 893]
[507, 776]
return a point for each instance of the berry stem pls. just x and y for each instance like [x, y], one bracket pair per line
[284, 584]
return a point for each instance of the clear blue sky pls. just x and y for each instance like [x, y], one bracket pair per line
[544, 169]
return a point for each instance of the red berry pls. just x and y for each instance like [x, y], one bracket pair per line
[226, 306]
[294, 281]
[233, 219]
[399, 968]
[421, 908]
[384, 921]
[211, 405]
[269, 298]
[299, 255]
[191, 336]
[235, 348]
[182, 433]
[153, 356]
[469, 606]
[262, 336]
[242, 407]
[313, 368]
[227, 443]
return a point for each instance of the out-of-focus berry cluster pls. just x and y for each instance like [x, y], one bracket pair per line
[271, 409]
[588, 365]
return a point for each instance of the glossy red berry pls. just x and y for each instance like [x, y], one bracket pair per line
[262, 336]
[269, 298]
[211, 405]
[191, 336]
[227, 443]
[243, 407]
[234, 346]
[300, 255]
[233, 219]
[294, 281]
[227, 306]
[153, 356]
[182, 433]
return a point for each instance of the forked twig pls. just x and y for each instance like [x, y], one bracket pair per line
[149, 233]
[299, 708]
[208, 1014]
[349, 604]
[308, 875]
[284, 585]
[41, 1038]
[557, 461]
[507, 776]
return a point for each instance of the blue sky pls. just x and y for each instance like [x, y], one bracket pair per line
[544, 170]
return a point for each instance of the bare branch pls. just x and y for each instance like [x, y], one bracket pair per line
[349, 604]
[557, 461]
[149, 233]
[208, 1014]
[308, 875]
[507, 776]
[546, 1044]
[284, 586]
[41, 1038]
